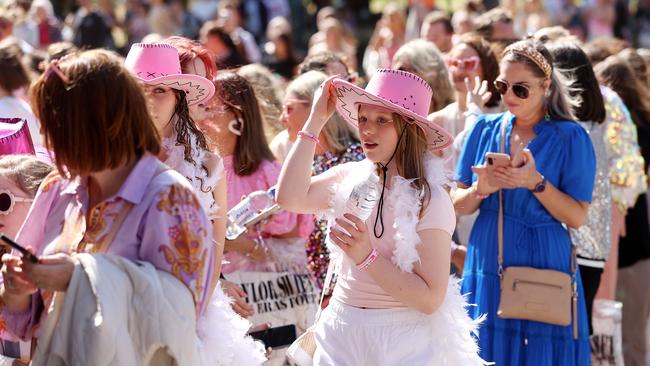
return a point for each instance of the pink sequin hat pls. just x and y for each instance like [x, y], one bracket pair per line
[158, 64]
[15, 137]
[403, 92]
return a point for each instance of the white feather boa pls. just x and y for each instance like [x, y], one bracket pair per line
[452, 329]
[224, 335]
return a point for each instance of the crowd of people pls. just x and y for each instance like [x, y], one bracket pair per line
[502, 150]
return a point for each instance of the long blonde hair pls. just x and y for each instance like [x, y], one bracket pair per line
[337, 132]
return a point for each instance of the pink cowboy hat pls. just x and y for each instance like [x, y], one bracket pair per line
[15, 137]
[403, 92]
[158, 64]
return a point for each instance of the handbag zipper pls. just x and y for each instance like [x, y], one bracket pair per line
[516, 282]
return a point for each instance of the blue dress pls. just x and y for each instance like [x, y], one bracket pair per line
[532, 237]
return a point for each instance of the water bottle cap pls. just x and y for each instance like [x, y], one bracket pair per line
[373, 178]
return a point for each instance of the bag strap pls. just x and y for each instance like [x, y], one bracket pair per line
[117, 223]
[502, 149]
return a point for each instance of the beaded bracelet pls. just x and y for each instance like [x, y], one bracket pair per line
[308, 135]
[372, 257]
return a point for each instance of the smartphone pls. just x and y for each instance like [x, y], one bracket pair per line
[494, 160]
[26, 253]
[276, 337]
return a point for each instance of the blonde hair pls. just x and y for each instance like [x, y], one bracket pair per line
[268, 95]
[26, 171]
[424, 60]
[338, 133]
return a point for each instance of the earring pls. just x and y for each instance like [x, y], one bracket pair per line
[547, 116]
[232, 127]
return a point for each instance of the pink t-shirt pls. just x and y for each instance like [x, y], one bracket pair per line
[265, 177]
[356, 287]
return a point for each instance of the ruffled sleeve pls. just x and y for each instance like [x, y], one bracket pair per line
[578, 165]
[176, 238]
[626, 164]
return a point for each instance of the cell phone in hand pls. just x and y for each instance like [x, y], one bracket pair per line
[493, 161]
[25, 253]
[276, 337]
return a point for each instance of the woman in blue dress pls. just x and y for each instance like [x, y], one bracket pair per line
[547, 188]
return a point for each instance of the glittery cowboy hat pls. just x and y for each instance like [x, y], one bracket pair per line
[403, 92]
[158, 64]
[15, 137]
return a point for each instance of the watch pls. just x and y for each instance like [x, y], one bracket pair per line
[540, 187]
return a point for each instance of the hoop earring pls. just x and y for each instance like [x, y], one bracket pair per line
[232, 127]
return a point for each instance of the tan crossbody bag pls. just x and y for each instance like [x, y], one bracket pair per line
[529, 293]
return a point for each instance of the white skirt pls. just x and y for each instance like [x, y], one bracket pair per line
[347, 335]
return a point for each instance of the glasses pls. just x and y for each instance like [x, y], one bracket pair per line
[521, 91]
[467, 64]
[8, 201]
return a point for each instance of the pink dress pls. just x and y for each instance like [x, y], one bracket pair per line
[284, 222]
[166, 227]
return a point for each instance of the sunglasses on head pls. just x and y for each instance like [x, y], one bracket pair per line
[468, 64]
[521, 91]
[8, 201]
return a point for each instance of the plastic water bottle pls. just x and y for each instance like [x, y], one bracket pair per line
[362, 200]
[248, 211]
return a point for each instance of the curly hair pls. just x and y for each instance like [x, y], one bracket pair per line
[185, 127]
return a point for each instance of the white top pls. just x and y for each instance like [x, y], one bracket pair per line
[12, 107]
[204, 175]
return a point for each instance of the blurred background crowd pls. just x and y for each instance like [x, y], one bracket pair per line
[272, 42]
[280, 33]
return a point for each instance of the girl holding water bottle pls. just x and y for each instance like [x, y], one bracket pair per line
[394, 302]
[235, 131]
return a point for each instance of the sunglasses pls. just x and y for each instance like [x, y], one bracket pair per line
[521, 91]
[8, 201]
[468, 64]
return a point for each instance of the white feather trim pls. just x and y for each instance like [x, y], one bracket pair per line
[453, 330]
[407, 202]
[223, 335]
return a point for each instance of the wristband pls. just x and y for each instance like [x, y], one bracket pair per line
[308, 135]
[372, 257]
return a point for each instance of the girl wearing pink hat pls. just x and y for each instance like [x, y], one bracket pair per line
[175, 76]
[394, 303]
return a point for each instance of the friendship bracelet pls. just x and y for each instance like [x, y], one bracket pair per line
[372, 257]
[308, 135]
